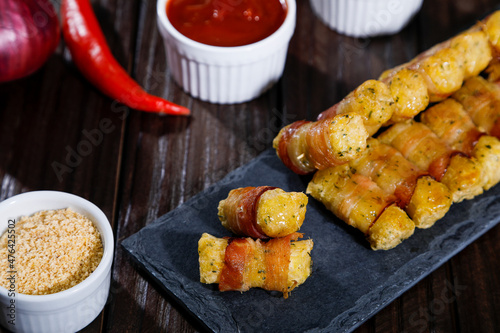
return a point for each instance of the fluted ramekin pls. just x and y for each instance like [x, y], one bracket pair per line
[69, 310]
[226, 75]
[366, 18]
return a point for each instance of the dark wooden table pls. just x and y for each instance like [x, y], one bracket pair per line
[145, 165]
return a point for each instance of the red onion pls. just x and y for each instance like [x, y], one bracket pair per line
[29, 34]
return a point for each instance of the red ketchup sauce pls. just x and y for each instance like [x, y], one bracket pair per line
[226, 22]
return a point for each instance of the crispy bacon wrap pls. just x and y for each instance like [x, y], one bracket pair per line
[481, 100]
[361, 203]
[262, 212]
[421, 146]
[452, 124]
[306, 146]
[238, 264]
[424, 199]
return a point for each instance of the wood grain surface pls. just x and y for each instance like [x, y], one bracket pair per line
[142, 165]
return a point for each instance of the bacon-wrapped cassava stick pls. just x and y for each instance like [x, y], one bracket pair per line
[372, 100]
[445, 66]
[410, 84]
[263, 212]
[424, 199]
[481, 100]
[421, 146]
[404, 91]
[306, 146]
[239, 264]
[450, 122]
[359, 202]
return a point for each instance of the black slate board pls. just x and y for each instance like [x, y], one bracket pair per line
[349, 282]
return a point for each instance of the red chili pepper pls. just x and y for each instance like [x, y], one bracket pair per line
[91, 54]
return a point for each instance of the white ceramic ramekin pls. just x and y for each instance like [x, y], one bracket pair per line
[226, 75]
[69, 310]
[366, 18]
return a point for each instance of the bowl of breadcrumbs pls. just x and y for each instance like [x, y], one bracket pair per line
[56, 251]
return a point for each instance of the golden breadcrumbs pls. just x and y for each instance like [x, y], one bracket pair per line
[54, 250]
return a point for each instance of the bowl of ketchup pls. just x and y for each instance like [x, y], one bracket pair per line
[226, 51]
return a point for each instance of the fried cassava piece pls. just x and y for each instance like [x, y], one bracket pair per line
[262, 212]
[238, 264]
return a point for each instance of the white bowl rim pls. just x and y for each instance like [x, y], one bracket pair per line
[102, 268]
[165, 22]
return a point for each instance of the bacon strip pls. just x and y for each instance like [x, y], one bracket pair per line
[437, 168]
[495, 129]
[452, 123]
[418, 144]
[361, 203]
[331, 112]
[471, 138]
[277, 258]
[389, 169]
[306, 146]
[371, 201]
[352, 197]
[283, 144]
[460, 173]
[238, 254]
[241, 211]
[320, 151]
[239, 259]
[404, 190]
[396, 175]
[481, 100]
